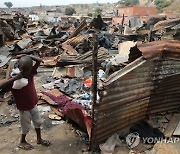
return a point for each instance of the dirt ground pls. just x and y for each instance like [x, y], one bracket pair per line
[63, 138]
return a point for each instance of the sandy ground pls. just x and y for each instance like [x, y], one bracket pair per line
[63, 138]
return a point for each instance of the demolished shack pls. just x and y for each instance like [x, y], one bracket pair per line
[121, 81]
[146, 86]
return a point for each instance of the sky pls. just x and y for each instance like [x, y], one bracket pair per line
[28, 3]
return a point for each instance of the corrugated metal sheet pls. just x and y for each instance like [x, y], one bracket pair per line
[158, 48]
[76, 40]
[79, 116]
[161, 25]
[166, 93]
[82, 25]
[124, 100]
[142, 87]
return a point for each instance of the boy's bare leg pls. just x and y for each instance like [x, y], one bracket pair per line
[23, 143]
[23, 138]
[40, 140]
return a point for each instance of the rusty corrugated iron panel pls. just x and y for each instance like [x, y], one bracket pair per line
[79, 28]
[50, 61]
[69, 49]
[79, 116]
[161, 25]
[76, 40]
[166, 93]
[158, 48]
[120, 118]
[124, 100]
[142, 87]
[124, 71]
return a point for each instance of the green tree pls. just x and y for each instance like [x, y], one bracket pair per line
[129, 2]
[8, 4]
[98, 11]
[160, 4]
[70, 11]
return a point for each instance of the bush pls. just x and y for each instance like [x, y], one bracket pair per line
[98, 11]
[70, 11]
[129, 2]
[160, 4]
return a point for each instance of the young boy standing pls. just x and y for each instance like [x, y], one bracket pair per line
[26, 100]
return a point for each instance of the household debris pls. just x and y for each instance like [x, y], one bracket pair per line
[133, 70]
[109, 145]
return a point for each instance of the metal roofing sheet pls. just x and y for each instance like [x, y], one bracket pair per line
[166, 93]
[141, 88]
[166, 24]
[124, 100]
[160, 48]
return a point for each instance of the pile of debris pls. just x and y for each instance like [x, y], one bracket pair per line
[69, 51]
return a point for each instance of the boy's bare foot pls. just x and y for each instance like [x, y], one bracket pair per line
[44, 143]
[25, 146]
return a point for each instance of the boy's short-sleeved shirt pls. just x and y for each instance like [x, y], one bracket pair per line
[26, 98]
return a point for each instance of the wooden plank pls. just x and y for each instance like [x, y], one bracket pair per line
[172, 125]
[177, 130]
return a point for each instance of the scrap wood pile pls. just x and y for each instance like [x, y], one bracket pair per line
[68, 50]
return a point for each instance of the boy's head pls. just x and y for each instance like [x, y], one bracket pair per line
[25, 65]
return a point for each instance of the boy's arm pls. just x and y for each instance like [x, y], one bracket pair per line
[7, 83]
[37, 60]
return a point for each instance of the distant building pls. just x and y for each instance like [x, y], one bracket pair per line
[136, 11]
[33, 16]
[50, 16]
[140, 12]
[53, 16]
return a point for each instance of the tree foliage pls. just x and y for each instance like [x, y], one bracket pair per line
[160, 4]
[98, 11]
[129, 2]
[8, 4]
[70, 11]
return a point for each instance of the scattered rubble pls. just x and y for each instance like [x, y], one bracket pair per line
[133, 57]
